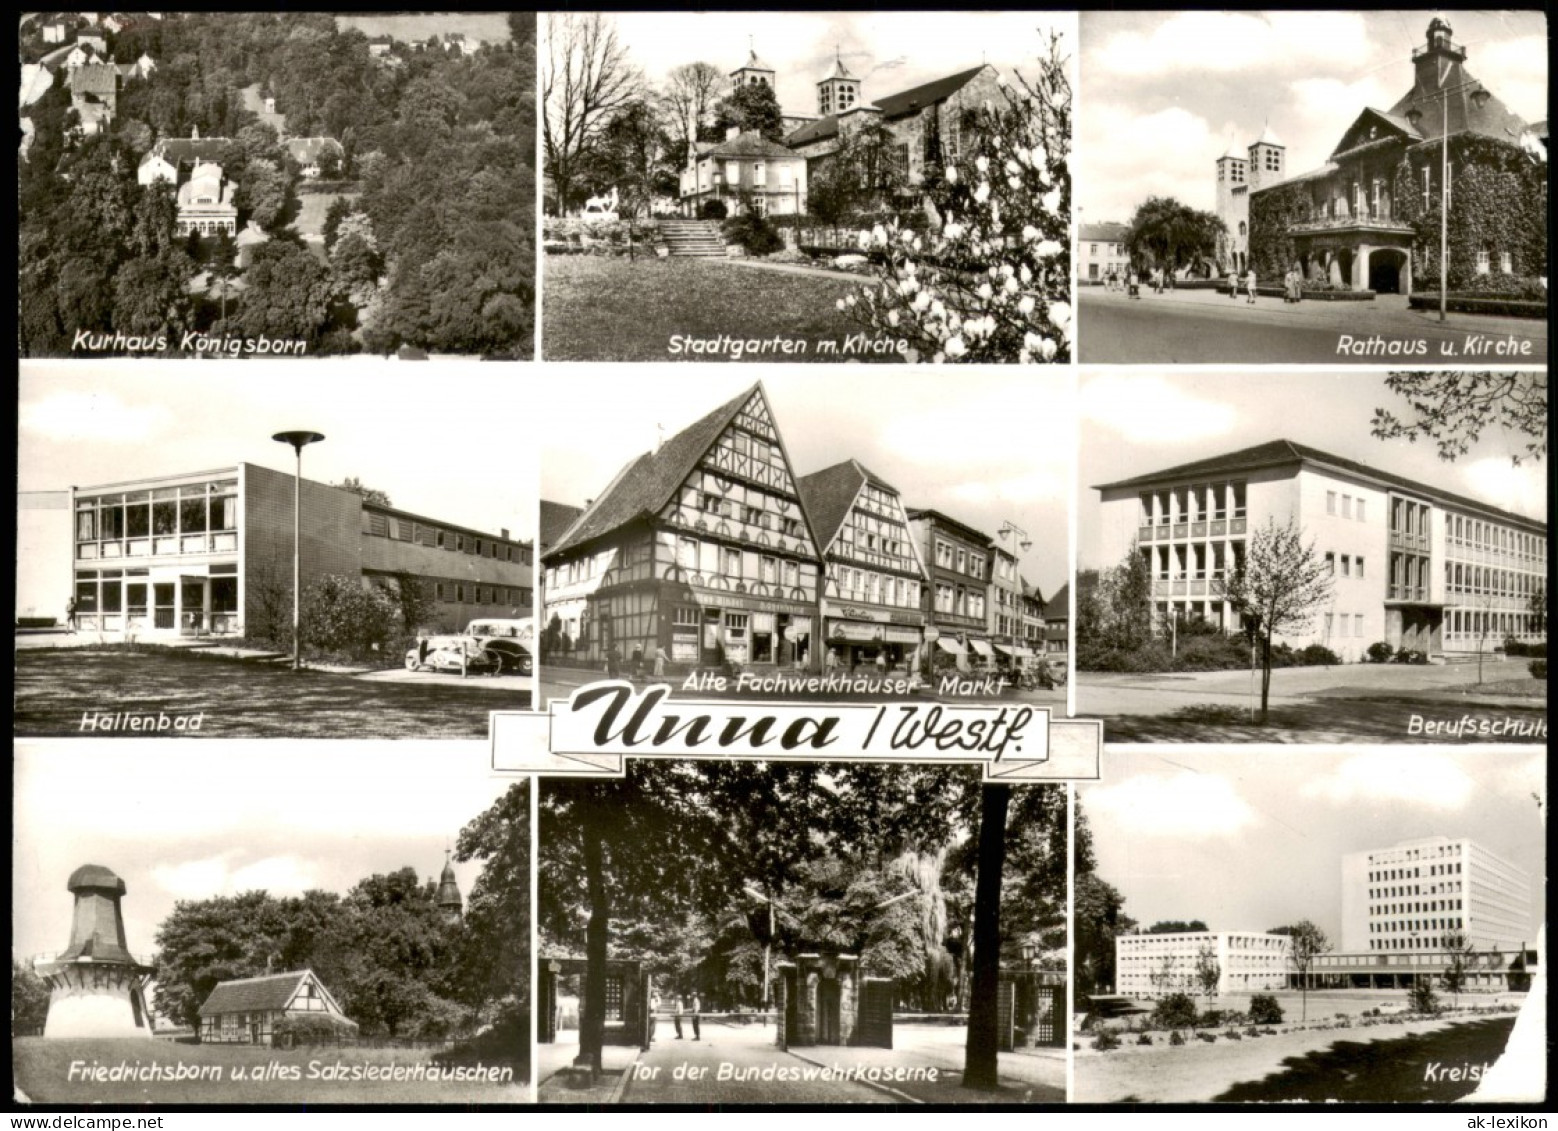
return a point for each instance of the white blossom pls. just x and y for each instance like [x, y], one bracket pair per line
[986, 291]
[1030, 233]
[952, 231]
[1047, 248]
[1011, 285]
[892, 318]
[1051, 201]
[1025, 305]
[955, 347]
[952, 174]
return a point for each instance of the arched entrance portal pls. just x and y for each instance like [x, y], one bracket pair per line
[1388, 271]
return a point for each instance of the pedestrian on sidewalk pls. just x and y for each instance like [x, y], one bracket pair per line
[660, 659]
[697, 1008]
[677, 1020]
[1233, 283]
[72, 619]
[1249, 286]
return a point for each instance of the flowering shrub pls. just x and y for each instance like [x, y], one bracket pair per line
[992, 282]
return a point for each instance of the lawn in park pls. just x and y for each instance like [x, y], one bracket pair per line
[56, 687]
[596, 308]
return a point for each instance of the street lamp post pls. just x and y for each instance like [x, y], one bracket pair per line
[1479, 97]
[1024, 543]
[298, 440]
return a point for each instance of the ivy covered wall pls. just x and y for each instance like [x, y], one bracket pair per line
[1273, 212]
[1498, 203]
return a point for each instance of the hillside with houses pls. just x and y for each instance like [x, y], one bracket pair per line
[193, 183]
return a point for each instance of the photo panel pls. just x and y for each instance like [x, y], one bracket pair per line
[812, 537]
[1284, 187]
[159, 577]
[268, 926]
[277, 185]
[802, 932]
[1313, 557]
[1360, 925]
[801, 187]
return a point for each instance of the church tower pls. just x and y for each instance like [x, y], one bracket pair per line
[754, 70]
[840, 91]
[449, 902]
[1268, 160]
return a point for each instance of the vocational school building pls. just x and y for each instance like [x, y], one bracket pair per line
[205, 553]
[1411, 564]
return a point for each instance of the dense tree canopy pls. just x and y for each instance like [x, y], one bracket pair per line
[681, 864]
[437, 152]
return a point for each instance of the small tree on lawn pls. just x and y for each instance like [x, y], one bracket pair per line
[1209, 972]
[993, 282]
[1277, 590]
[1307, 943]
[1459, 958]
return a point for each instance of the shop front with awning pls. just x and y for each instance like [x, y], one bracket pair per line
[859, 634]
[981, 652]
[1018, 656]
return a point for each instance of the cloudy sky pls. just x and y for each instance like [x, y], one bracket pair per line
[887, 51]
[451, 441]
[1244, 840]
[1137, 422]
[176, 822]
[1164, 94]
[983, 447]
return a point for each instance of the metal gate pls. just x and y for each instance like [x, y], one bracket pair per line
[1049, 1017]
[875, 1029]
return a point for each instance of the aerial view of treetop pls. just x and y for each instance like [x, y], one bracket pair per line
[247, 184]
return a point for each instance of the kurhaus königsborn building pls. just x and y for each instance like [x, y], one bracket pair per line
[1413, 565]
[710, 551]
[199, 554]
[1369, 218]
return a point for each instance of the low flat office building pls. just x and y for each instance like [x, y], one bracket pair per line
[1157, 965]
[203, 554]
[1413, 565]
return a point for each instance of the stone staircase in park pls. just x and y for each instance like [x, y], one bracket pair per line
[698, 239]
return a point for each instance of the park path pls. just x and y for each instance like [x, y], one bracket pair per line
[687, 1071]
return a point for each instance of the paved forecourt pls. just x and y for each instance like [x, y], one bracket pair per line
[1206, 326]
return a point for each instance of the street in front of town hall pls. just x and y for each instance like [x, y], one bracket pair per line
[738, 1053]
[1204, 325]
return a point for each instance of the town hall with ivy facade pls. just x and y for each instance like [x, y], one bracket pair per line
[1369, 218]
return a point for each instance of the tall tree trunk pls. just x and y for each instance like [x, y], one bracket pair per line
[980, 1062]
[592, 1015]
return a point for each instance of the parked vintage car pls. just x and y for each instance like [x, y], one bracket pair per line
[511, 639]
[453, 653]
